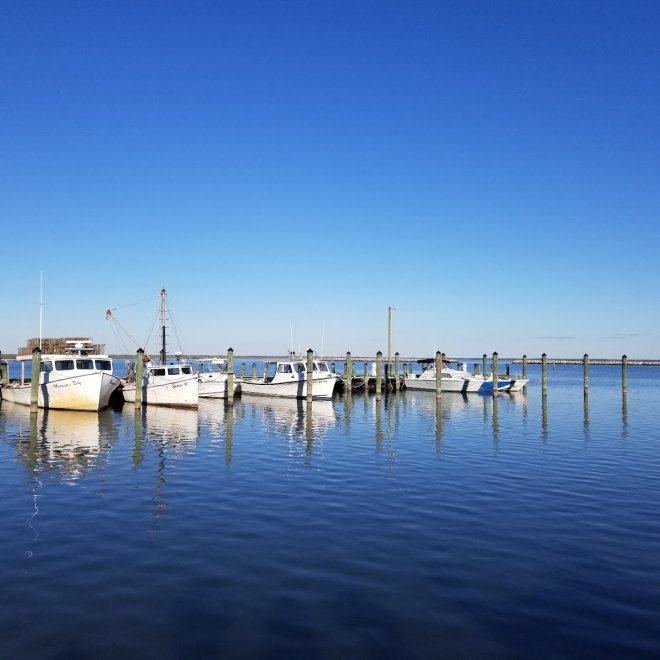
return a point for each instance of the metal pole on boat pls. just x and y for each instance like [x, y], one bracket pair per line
[585, 377]
[438, 375]
[396, 371]
[544, 375]
[379, 362]
[348, 374]
[34, 382]
[310, 374]
[495, 374]
[524, 372]
[230, 375]
[163, 306]
[624, 373]
[139, 376]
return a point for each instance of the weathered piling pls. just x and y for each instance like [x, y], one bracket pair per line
[242, 369]
[366, 378]
[438, 375]
[524, 367]
[585, 374]
[36, 371]
[4, 369]
[624, 373]
[310, 374]
[254, 370]
[484, 365]
[139, 375]
[379, 364]
[476, 368]
[496, 378]
[544, 375]
[396, 371]
[348, 374]
[230, 375]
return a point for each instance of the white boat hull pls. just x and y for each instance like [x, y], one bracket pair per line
[166, 391]
[466, 385]
[214, 386]
[90, 391]
[322, 388]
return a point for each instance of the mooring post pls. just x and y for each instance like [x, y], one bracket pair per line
[4, 369]
[624, 373]
[496, 378]
[139, 375]
[348, 374]
[484, 365]
[310, 374]
[544, 375]
[230, 375]
[438, 375]
[379, 363]
[254, 370]
[396, 371]
[585, 374]
[524, 373]
[242, 369]
[34, 382]
[476, 369]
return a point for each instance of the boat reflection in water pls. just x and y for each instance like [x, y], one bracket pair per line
[60, 440]
[173, 426]
[293, 418]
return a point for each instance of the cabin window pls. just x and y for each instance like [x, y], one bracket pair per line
[186, 370]
[284, 369]
[158, 372]
[173, 371]
[315, 367]
[85, 364]
[64, 365]
[46, 366]
[104, 365]
[300, 367]
[323, 366]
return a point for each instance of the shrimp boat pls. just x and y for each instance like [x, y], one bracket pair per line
[174, 384]
[213, 381]
[288, 378]
[451, 380]
[74, 380]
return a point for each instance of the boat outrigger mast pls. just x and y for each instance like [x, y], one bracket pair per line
[163, 305]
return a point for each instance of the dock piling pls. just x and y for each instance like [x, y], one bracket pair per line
[379, 363]
[36, 371]
[496, 377]
[230, 375]
[438, 375]
[139, 375]
[348, 373]
[624, 373]
[544, 375]
[310, 374]
[585, 374]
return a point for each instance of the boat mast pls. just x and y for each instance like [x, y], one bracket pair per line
[163, 305]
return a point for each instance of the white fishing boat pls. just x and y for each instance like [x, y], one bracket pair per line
[504, 383]
[288, 378]
[174, 384]
[75, 380]
[451, 380]
[213, 380]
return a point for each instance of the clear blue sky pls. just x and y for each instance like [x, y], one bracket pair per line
[492, 168]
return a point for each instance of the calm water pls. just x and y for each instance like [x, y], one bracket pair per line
[489, 528]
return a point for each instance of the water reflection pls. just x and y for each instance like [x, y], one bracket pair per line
[59, 440]
[176, 427]
[293, 418]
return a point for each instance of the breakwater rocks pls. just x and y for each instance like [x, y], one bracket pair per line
[592, 362]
